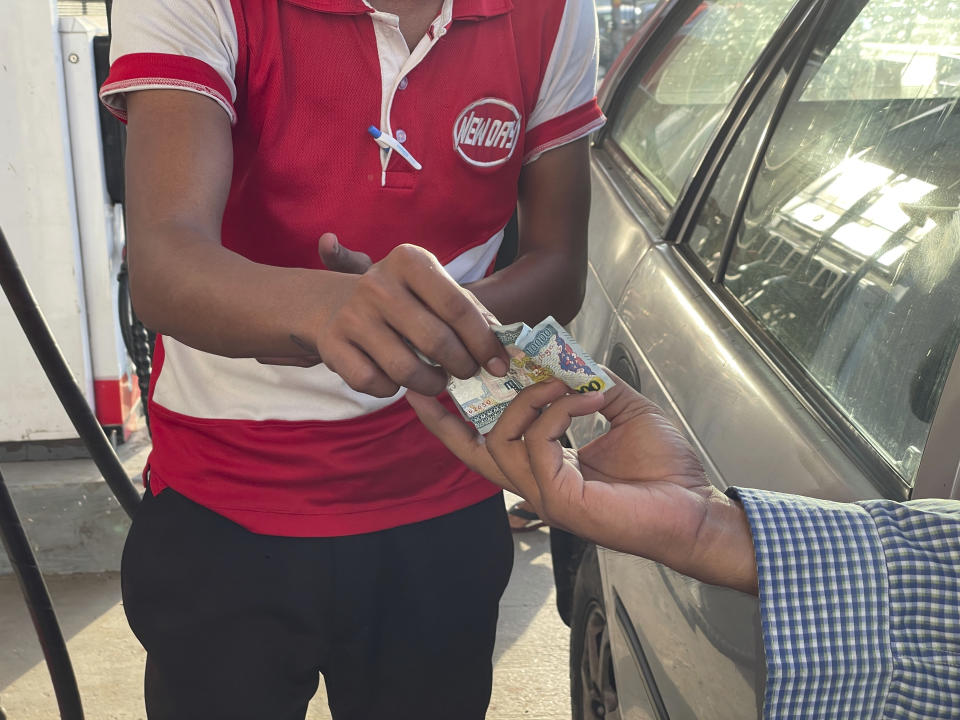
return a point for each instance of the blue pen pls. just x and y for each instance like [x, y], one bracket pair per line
[387, 142]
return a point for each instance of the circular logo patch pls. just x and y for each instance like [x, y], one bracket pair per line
[487, 132]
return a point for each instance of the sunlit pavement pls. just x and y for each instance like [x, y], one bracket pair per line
[530, 675]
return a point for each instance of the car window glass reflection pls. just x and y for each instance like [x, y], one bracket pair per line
[674, 103]
[617, 22]
[849, 253]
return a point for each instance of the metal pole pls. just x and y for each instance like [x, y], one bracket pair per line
[41, 608]
[58, 373]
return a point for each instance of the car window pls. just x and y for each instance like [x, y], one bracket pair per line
[849, 250]
[673, 101]
[617, 22]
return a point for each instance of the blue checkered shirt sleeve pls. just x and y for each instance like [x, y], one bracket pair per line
[859, 606]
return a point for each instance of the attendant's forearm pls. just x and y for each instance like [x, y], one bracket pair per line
[537, 284]
[549, 274]
[218, 301]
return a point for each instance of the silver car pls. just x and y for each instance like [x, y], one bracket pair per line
[774, 260]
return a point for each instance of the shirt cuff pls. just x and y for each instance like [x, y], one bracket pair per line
[152, 71]
[824, 606]
[921, 545]
[562, 129]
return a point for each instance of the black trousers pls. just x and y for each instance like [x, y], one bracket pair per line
[400, 623]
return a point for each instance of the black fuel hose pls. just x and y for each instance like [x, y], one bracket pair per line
[41, 608]
[58, 373]
[137, 340]
[14, 539]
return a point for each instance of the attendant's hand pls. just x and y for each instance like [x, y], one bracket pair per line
[339, 259]
[407, 299]
[639, 488]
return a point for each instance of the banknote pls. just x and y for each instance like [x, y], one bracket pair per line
[536, 354]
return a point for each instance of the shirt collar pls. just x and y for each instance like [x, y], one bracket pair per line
[339, 7]
[480, 9]
[462, 9]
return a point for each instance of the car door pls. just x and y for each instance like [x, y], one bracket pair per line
[799, 318]
[680, 91]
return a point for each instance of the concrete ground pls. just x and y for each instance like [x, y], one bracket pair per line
[530, 675]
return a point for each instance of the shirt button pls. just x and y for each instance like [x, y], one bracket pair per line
[401, 136]
[403, 83]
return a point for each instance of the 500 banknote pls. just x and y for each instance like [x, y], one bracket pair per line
[536, 354]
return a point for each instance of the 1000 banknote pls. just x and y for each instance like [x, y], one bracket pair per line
[536, 354]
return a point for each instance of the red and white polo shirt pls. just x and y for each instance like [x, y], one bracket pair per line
[491, 86]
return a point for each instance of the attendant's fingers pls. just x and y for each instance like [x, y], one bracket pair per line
[398, 361]
[487, 315]
[359, 371]
[340, 259]
[459, 436]
[430, 282]
[411, 318]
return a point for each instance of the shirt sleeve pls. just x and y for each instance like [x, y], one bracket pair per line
[566, 107]
[172, 44]
[859, 606]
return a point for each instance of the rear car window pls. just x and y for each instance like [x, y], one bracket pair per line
[673, 102]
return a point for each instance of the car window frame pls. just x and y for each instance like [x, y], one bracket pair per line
[938, 474]
[644, 49]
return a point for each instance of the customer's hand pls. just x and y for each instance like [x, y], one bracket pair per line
[638, 488]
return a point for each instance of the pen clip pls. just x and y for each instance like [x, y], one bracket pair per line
[388, 142]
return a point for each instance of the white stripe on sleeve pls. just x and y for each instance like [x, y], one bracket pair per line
[570, 79]
[201, 29]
